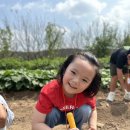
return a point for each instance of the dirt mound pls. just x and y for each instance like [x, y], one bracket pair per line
[111, 116]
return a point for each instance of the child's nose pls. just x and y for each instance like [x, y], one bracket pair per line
[76, 81]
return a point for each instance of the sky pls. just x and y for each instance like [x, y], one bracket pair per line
[68, 13]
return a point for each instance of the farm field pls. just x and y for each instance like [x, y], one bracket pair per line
[114, 116]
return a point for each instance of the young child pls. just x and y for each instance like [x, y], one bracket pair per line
[77, 83]
[6, 115]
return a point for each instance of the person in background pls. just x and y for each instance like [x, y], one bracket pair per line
[74, 90]
[6, 115]
[119, 70]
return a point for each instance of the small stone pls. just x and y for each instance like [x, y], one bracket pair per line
[100, 125]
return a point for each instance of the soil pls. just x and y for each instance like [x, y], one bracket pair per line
[111, 116]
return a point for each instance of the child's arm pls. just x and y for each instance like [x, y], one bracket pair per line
[3, 116]
[9, 114]
[93, 120]
[38, 120]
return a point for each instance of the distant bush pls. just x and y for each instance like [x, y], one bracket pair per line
[10, 63]
[44, 63]
[104, 62]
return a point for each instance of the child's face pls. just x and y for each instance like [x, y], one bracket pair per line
[78, 76]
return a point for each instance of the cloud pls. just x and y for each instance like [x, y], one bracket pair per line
[30, 6]
[119, 14]
[36, 5]
[79, 8]
[76, 11]
[16, 7]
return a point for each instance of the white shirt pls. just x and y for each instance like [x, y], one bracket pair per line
[10, 114]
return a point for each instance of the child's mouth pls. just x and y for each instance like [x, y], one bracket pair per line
[72, 86]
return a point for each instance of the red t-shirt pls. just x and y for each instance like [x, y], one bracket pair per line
[51, 95]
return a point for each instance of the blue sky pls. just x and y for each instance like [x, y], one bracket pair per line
[68, 13]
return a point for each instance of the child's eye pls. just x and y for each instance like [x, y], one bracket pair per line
[84, 80]
[73, 72]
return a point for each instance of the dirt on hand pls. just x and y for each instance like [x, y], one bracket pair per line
[111, 116]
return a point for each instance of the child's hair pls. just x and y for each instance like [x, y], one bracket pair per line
[95, 84]
[128, 52]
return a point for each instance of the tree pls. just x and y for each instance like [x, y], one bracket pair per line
[53, 38]
[126, 40]
[5, 41]
[29, 35]
[104, 41]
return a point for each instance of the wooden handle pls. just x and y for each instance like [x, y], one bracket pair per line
[71, 120]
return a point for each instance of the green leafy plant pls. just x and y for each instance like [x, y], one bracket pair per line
[105, 78]
[24, 79]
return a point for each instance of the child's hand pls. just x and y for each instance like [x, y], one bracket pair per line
[74, 129]
[92, 129]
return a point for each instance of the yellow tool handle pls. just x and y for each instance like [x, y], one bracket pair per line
[71, 120]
